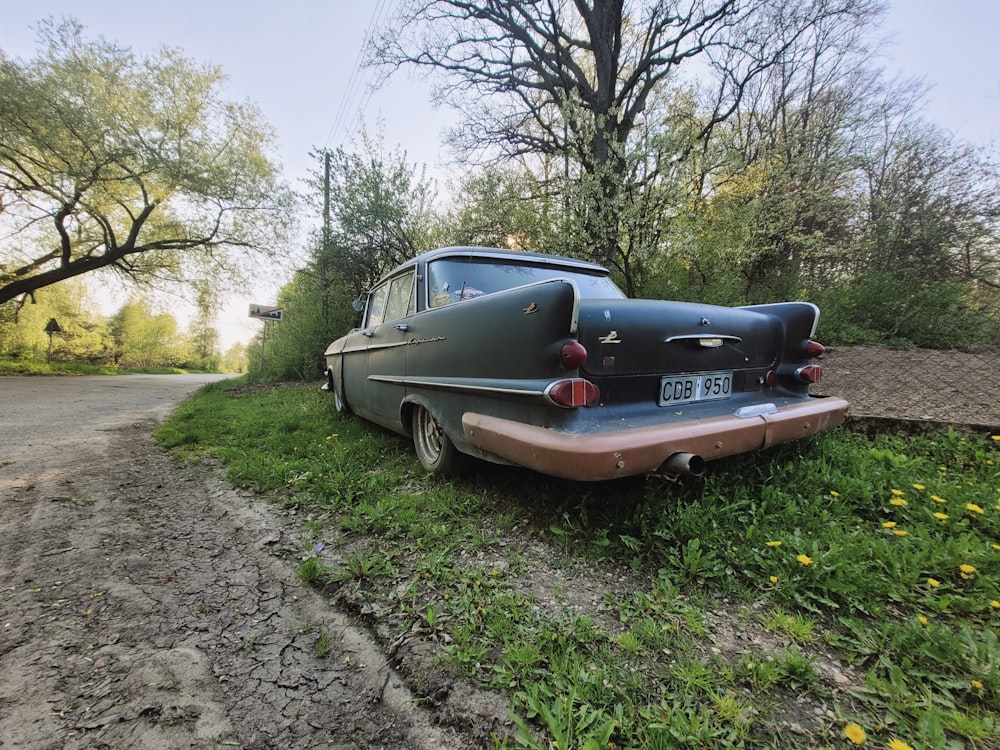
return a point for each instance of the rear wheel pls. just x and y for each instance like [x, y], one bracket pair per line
[434, 448]
[338, 402]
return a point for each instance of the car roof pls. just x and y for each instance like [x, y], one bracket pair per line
[495, 253]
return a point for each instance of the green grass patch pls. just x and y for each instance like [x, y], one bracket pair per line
[839, 579]
[27, 367]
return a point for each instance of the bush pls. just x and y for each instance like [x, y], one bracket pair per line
[880, 308]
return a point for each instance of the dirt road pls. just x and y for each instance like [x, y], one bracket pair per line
[143, 605]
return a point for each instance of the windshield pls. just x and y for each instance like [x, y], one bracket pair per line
[453, 279]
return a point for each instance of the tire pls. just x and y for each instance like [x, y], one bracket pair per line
[436, 452]
[338, 402]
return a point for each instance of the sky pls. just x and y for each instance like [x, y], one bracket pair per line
[298, 61]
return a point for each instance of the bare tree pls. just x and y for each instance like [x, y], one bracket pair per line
[574, 78]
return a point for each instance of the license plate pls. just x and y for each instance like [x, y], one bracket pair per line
[687, 389]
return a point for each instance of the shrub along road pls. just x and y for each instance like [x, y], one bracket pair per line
[144, 604]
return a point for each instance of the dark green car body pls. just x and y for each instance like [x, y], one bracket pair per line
[540, 361]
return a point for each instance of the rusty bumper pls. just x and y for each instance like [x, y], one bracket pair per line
[637, 450]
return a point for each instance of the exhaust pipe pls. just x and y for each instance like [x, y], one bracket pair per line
[684, 463]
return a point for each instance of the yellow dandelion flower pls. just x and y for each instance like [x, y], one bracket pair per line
[855, 734]
[921, 619]
[834, 493]
[976, 684]
[805, 559]
[933, 582]
[942, 468]
[919, 487]
[889, 525]
[996, 547]
[995, 604]
[996, 437]
[895, 744]
[774, 544]
[973, 508]
[937, 499]
[897, 493]
[898, 502]
[941, 516]
[773, 579]
[967, 569]
[900, 532]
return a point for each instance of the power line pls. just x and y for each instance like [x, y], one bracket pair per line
[359, 83]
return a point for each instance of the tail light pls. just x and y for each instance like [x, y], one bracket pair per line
[809, 374]
[572, 355]
[814, 349]
[573, 392]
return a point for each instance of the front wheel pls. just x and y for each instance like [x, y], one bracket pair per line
[434, 448]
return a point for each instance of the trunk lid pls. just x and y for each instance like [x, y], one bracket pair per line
[656, 337]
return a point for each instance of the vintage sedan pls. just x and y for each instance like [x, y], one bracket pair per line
[540, 361]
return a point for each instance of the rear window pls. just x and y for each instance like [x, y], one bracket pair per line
[450, 279]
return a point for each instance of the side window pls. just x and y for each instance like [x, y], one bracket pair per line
[376, 305]
[440, 275]
[400, 303]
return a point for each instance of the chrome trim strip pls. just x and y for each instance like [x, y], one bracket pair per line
[454, 386]
[391, 345]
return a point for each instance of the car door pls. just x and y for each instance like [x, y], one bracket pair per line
[387, 342]
[355, 352]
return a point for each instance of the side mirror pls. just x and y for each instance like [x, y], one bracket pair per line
[358, 305]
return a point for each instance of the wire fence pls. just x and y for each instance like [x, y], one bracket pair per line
[916, 385]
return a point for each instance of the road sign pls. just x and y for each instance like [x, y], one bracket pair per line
[266, 312]
[51, 327]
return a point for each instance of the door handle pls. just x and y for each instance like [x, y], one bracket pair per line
[401, 327]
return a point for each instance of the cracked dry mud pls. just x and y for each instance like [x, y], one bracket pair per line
[147, 605]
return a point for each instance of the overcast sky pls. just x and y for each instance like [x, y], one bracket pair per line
[298, 61]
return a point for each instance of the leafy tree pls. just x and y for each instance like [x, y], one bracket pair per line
[234, 359]
[499, 207]
[204, 338]
[379, 213]
[84, 335]
[145, 338]
[134, 164]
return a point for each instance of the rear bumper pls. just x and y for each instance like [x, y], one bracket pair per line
[625, 452]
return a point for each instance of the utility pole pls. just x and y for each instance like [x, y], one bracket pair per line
[324, 253]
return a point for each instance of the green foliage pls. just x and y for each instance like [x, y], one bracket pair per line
[132, 164]
[135, 338]
[379, 215]
[144, 338]
[84, 336]
[882, 308]
[295, 346]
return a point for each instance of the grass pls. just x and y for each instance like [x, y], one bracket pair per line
[29, 367]
[839, 583]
